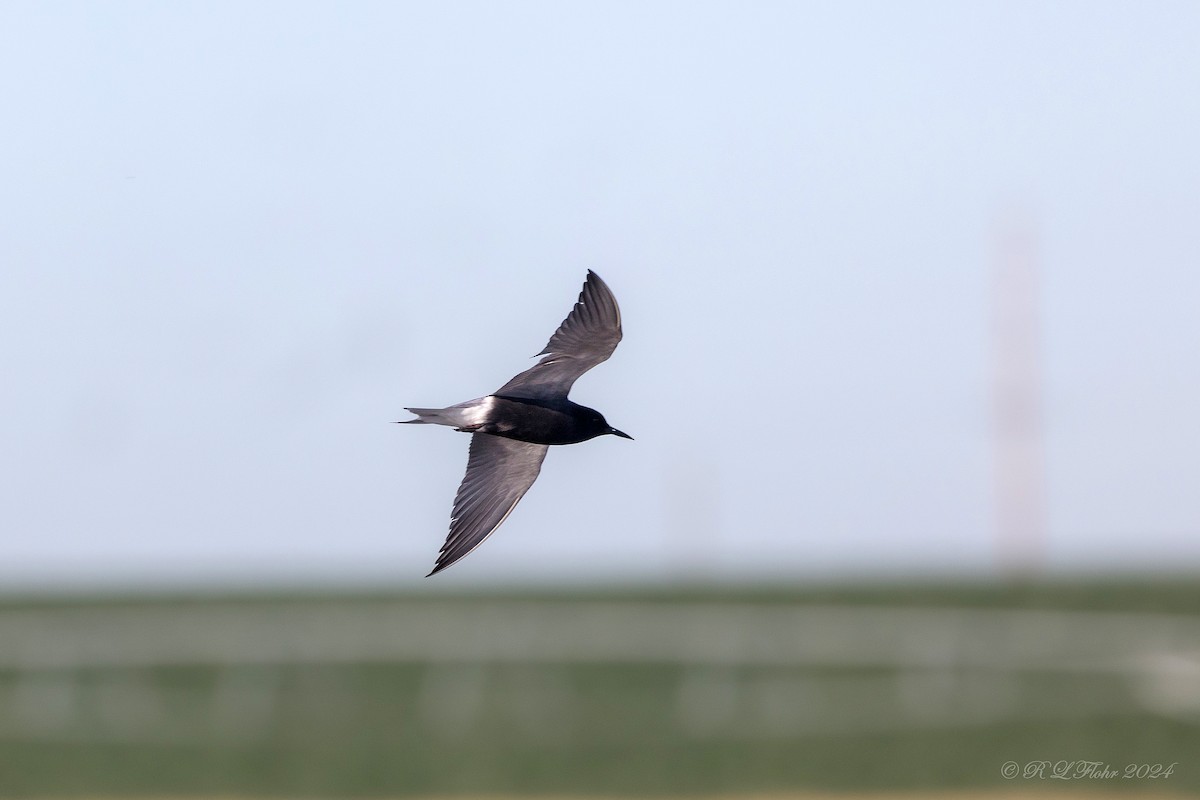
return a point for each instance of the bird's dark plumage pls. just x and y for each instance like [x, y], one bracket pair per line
[587, 337]
[499, 472]
[513, 428]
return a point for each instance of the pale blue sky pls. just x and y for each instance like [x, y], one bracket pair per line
[236, 239]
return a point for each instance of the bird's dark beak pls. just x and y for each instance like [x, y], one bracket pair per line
[623, 435]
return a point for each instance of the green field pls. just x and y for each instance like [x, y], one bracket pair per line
[605, 692]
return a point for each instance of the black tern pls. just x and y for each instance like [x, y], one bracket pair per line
[513, 428]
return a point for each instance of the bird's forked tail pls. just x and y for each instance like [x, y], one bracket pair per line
[463, 415]
[424, 416]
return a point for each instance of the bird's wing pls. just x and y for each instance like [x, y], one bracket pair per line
[586, 337]
[499, 472]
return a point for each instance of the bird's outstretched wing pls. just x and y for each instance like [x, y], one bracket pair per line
[499, 472]
[586, 337]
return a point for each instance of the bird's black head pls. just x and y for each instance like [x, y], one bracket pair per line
[598, 425]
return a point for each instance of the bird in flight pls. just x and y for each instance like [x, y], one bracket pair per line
[512, 429]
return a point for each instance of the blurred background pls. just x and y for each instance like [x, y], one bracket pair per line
[909, 295]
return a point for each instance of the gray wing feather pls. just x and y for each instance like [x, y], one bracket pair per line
[585, 338]
[499, 472]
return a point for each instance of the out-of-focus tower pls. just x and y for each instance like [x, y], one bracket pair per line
[1017, 401]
